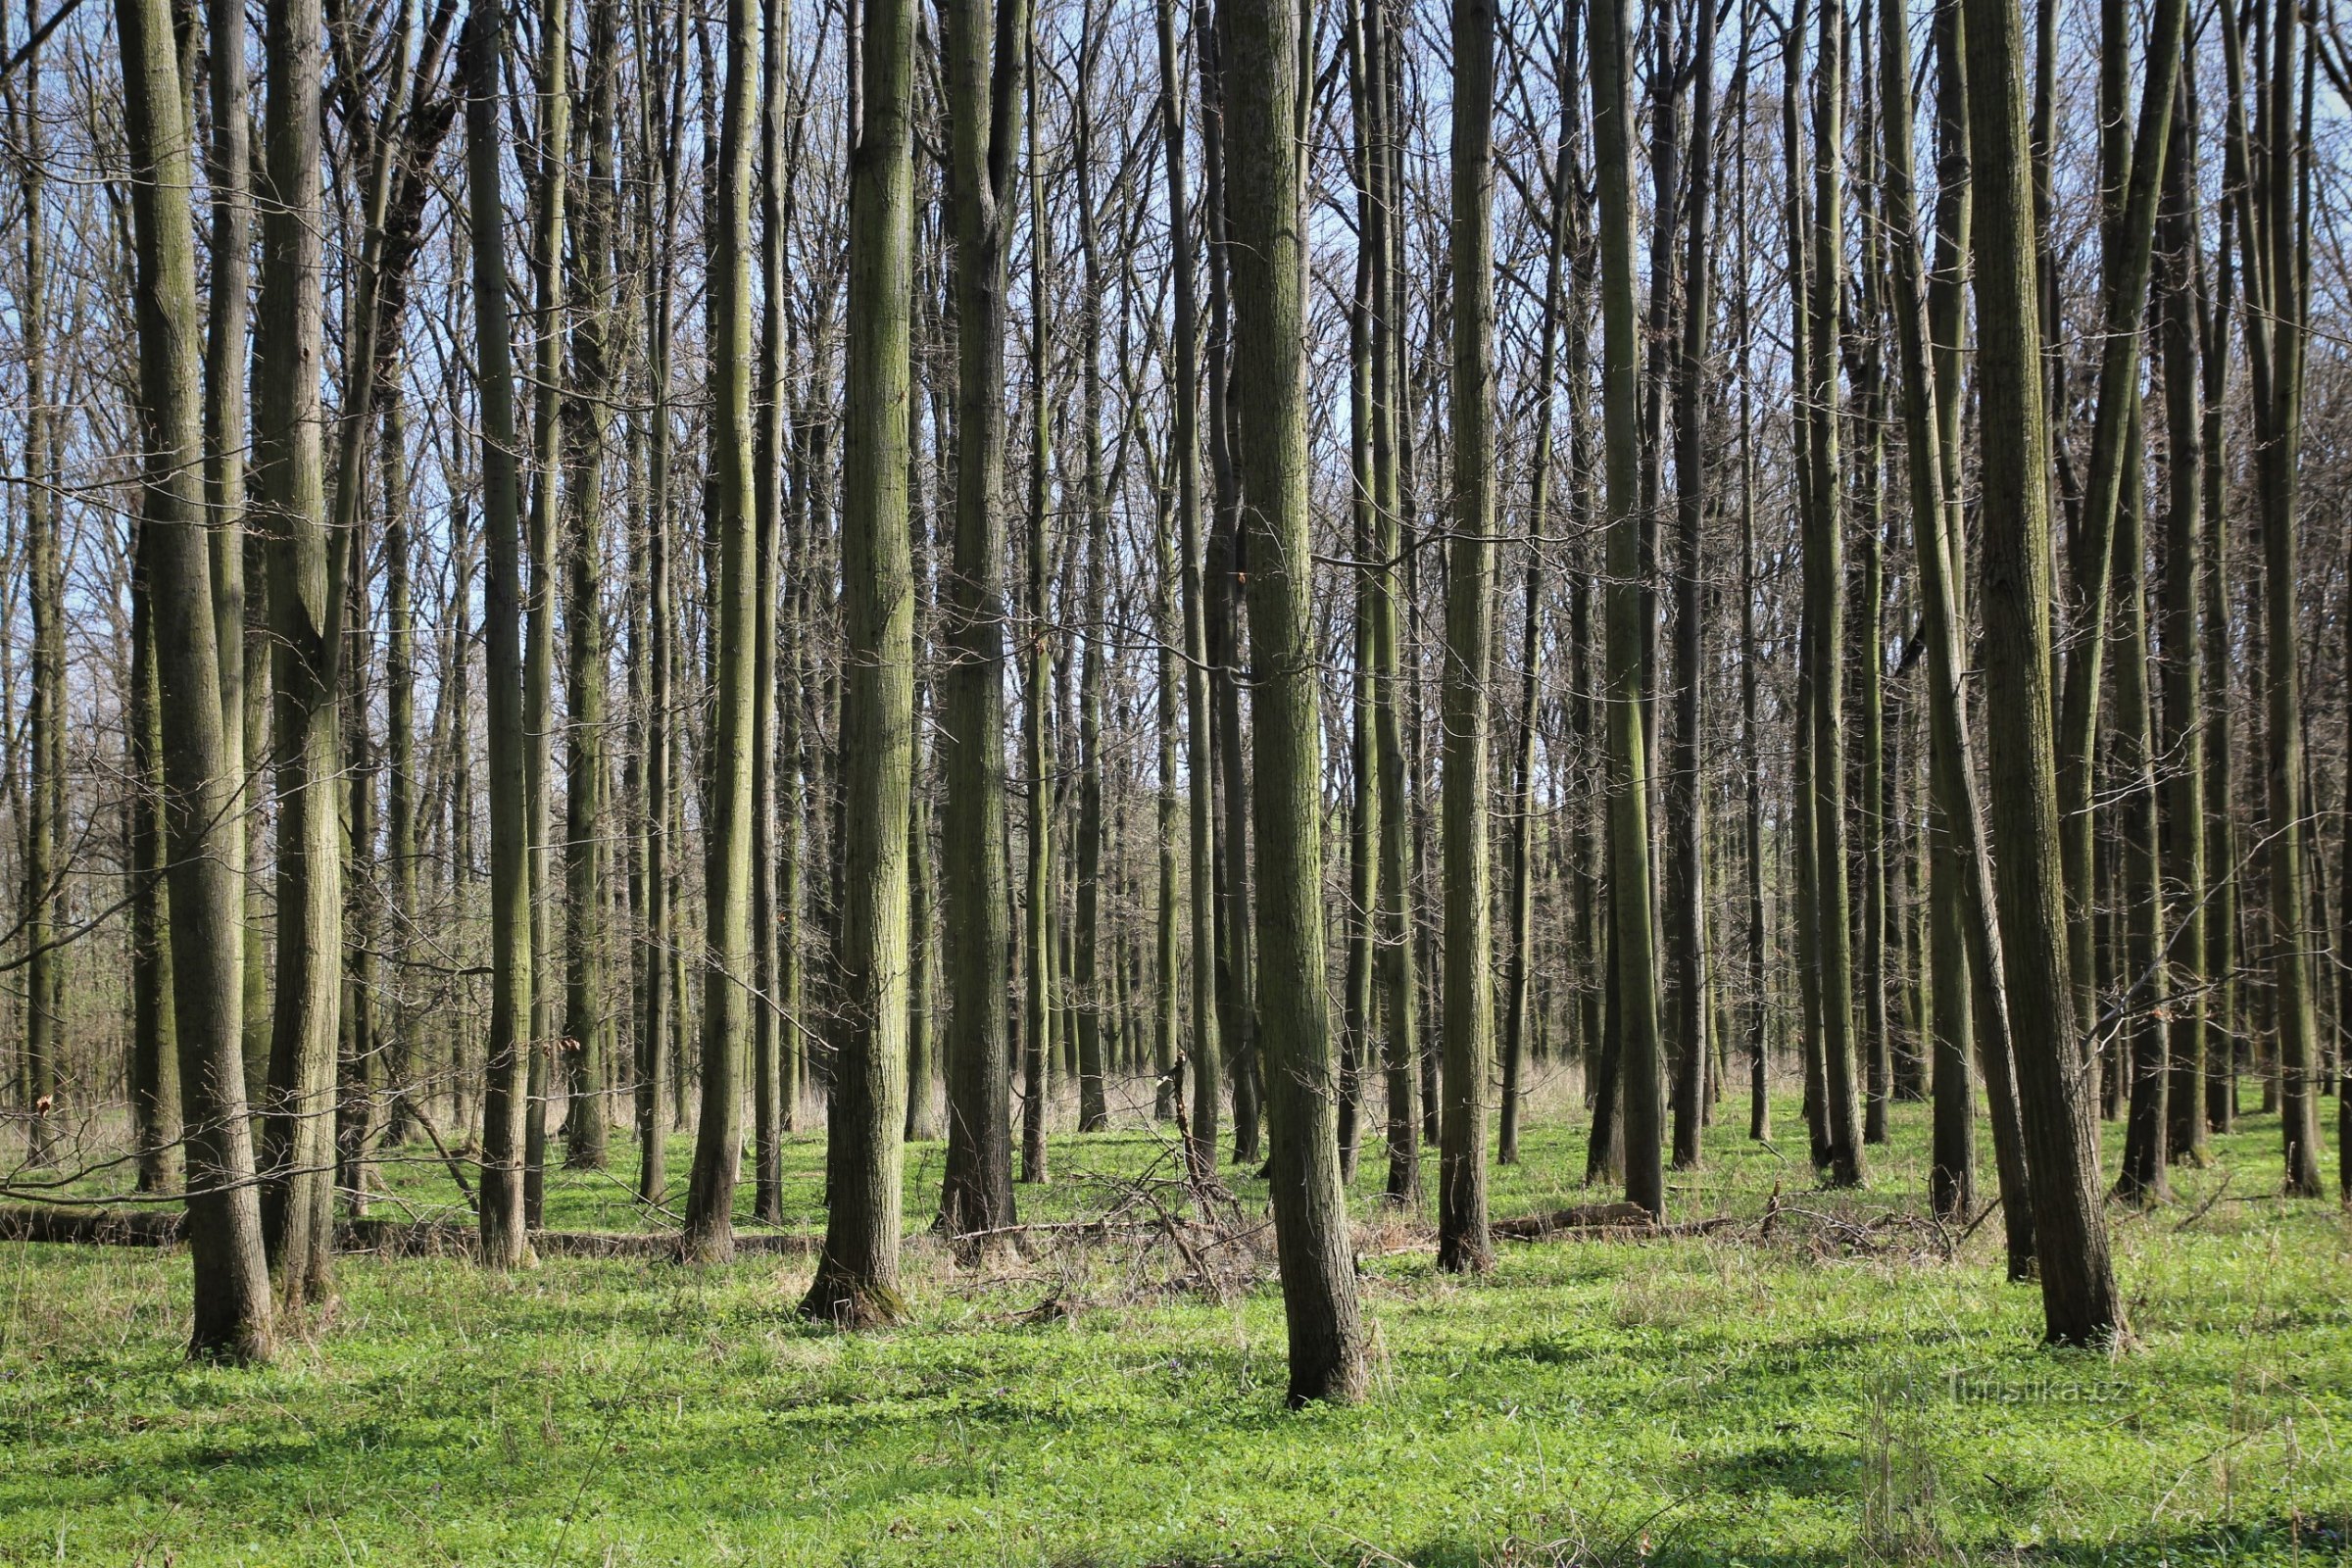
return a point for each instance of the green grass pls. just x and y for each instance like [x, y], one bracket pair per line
[1713, 1401]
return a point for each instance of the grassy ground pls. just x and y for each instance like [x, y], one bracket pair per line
[1711, 1401]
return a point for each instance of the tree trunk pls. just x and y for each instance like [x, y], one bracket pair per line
[710, 1233]
[231, 1317]
[1463, 1245]
[1686, 818]
[305, 603]
[506, 1067]
[1264, 195]
[856, 1282]
[1633, 955]
[983, 80]
[2079, 1299]
[1204, 1059]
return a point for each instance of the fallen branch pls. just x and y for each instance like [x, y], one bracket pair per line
[1599, 1221]
[118, 1226]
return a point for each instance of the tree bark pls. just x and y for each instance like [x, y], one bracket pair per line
[856, 1282]
[1264, 194]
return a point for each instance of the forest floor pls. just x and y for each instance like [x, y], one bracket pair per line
[1838, 1390]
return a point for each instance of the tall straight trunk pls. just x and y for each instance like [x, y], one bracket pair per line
[1685, 817]
[2145, 993]
[983, 77]
[1039, 946]
[857, 1280]
[155, 1091]
[506, 1067]
[727, 834]
[1224, 569]
[767, 505]
[549, 186]
[1928, 352]
[586, 860]
[232, 1316]
[1361, 918]
[1633, 950]
[1759, 1012]
[401, 847]
[1264, 195]
[2079, 1299]
[656, 739]
[1167, 965]
[922, 1063]
[229, 160]
[2134, 179]
[1951, 742]
[1519, 999]
[1395, 985]
[1205, 1058]
[1797, 225]
[2277, 287]
[304, 600]
[1825, 609]
[1087, 980]
[1872, 816]
[45, 722]
[2181, 739]
[1463, 1245]
[2220, 889]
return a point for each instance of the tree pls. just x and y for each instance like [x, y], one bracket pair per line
[587, 762]
[550, 189]
[1633, 961]
[306, 599]
[1205, 1058]
[2079, 1301]
[857, 1280]
[1825, 610]
[1519, 1002]
[1684, 814]
[1463, 1245]
[232, 1319]
[505, 1066]
[983, 76]
[1264, 196]
[727, 838]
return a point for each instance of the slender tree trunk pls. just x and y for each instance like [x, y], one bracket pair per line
[2275, 338]
[2181, 740]
[1825, 610]
[231, 1318]
[983, 77]
[1205, 1058]
[1685, 816]
[155, 1089]
[305, 599]
[1264, 193]
[857, 1280]
[1519, 996]
[727, 834]
[2079, 1299]
[1632, 924]
[770, 1079]
[1038, 941]
[2145, 993]
[506, 1067]
[654, 1059]
[550, 192]
[1463, 1245]
[586, 861]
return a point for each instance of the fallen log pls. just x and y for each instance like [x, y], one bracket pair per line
[165, 1227]
[1598, 1222]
